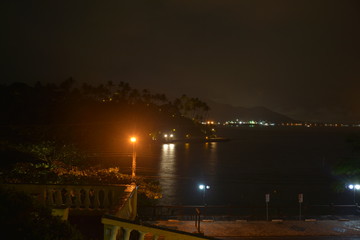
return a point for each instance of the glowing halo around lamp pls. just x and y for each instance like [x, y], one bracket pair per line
[202, 187]
[133, 139]
[354, 186]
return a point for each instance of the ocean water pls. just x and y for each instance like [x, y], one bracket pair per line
[282, 162]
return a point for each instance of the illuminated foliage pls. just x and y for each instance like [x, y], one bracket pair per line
[50, 155]
[64, 174]
[193, 108]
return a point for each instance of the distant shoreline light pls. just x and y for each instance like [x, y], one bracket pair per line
[237, 123]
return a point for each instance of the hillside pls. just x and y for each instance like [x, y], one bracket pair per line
[224, 112]
[95, 116]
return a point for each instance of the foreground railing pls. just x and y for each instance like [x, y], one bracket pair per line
[248, 212]
[117, 228]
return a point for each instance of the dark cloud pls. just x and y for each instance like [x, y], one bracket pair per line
[300, 58]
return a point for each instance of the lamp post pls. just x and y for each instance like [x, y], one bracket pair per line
[267, 200]
[203, 188]
[354, 187]
[133, 167]
[301, 200]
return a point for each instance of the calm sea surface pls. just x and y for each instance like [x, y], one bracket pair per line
[280, 161]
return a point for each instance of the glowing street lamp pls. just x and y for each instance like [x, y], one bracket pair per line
[354, 187]
[203, 188]
[133, 168]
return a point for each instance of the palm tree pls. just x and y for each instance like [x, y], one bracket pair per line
[110, 85]
[146, 96]
[124, 90]
[134, 96]
[160, 99]
[67, 84]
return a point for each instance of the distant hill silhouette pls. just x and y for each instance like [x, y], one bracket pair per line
[224, 112]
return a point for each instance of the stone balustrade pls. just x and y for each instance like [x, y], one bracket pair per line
[85, 197]
[117, 228]
[81, 197]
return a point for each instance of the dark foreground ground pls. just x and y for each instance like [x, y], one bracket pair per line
[90, 226]
[338, 228]
[323, 229]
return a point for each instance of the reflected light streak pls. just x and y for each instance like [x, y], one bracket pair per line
[168, 171]
[133, 165]
[211, 148]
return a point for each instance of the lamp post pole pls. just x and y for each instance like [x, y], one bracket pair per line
[354, 196]
[267, 200]
[203, 188]
[301, 199]
[354, 187]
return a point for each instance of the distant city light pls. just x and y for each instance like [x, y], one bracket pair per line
[238, 122]
[211, 123]
[266, 123]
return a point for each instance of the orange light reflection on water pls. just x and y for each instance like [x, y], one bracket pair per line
[168, 169]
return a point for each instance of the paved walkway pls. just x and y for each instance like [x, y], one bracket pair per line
[221, 229]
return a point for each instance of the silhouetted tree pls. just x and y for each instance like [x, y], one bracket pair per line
[348, 168]
[67, 84]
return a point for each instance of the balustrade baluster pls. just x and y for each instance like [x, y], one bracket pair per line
[141, 235]
[96, 199]
[126, 233]
[106, 198]
[50, 197]
[58, 197]
[68, 201]
[77, 198]
[87, 198]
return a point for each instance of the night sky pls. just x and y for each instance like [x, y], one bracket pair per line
[299, 58]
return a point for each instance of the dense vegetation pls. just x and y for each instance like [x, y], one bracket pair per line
[94, 115]
[47, 131]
